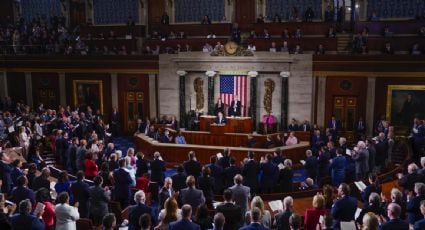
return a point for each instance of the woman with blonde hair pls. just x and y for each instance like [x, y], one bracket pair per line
[370, 221]
[266, 218]
[130, 156]
[312, 215]
[170, 213]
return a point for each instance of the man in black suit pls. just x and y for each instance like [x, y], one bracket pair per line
[231, 212]
[123, 183]
[224, 161]
[381, 148]
[305, 127]
[345, 207]
[179, 179]
[395, 223]
[270, 174]
[235, 107]
[334, 125]
[217, 174]
[42, 181]
[414, 203]
[80, 190]
[115, 122]
[220, 119]
[192, 166]
[360, 128]
[293, 126]
[165, 192]
[157, 168]
[137, 210]
[5, 173]
[25, 220]
[407, 182]
[191, 195]
[230, 172]
[250, 171]
[310, 164]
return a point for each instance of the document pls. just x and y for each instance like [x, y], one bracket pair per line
[276, 205]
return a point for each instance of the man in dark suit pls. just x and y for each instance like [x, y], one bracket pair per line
[395, 223]
[413, 203]
[165, 192]
[220, 119]
[361, 160]
[293, 126]
[42, 181]
[137, 210]
[192, 166]
[240, 193]
[255, 221]
[217, 174]
[179, 179]
[5, 173]
[282, 218]
[381, 148]
[185, 223]
[317, 141]
[123, 183]
[157, 169]
[345, 207]
[310, 164]
[250, 171]
[25, 220]
[334, 125]
[231, 212]
[407, 182]
[224, 161]
[270, 174]
[80, 190]
[305, 127]
[190, 195]
[235, 107]
[420, 224]
[115, 122]
[230, 172]
[21, 191]
[360, 128]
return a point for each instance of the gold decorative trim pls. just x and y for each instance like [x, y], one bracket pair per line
[398, 87]
[236, 72]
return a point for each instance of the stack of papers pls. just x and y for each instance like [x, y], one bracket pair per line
[348, 225]
[280, 166]
[360, 185]
[219, 155]
[302, 162]
[276, 205]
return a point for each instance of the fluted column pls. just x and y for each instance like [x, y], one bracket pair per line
[284, 100]
[253, 98]
[210, 75]
[182, 97]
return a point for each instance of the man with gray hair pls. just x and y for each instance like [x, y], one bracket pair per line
[361, 160]
[374, 206]
[241, 193]
[408, 181]
[413, 203]
[420, 224]
[255, 221]
[282, 218]
[25, 220]
[137, 210]
[393, 213]
[165, 192]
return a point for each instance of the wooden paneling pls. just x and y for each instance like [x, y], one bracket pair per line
[403, 43]
[335, 87]
[6, 10]
[196, 44]
[119, 31]
[307, 28]
[155, 10]
[381, 87]
[16, 86]
[45, 89]
[106, 81]
[245, 11]
[77, 11]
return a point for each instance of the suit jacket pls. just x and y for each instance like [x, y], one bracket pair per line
[419, 225]
[360, 127]
[229, 173]
[344, 210]
[282, 220]
[311, 167]
[413, 209]
[183, 225]
[335, 125]
[192, 196]
[223, 120]
[179, 181]
[163, 195]
[232, 111]
[26, 222]
[5, 176]
[99, 201]
[250, 171]
[292, 127]
[157, 171]
[241, 195]
[21, 193]
[80, 190]
[224, 162]
[218, 109]
[122, 184]
[395, 224]
[270, 174]
[217, 174]
[192, 167]
[304, 128]
[408, 181]
[232, 213]
[40, 182]
[361, 160]
[206, 184]
[134, 213]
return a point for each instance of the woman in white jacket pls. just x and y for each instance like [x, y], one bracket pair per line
[66, 215]
[24, 141]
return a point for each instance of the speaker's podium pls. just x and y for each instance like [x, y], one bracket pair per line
[217, 129]
[234, 124]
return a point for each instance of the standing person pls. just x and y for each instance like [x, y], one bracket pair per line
[240, 193]
[312, 215]
[285, 176]
[217, 174]
[24, 219]
[185, 223]
[338, 168]
[157, 167]
[344, 207]
[24, 141]
[137, 210]
[250, 171]
[206, 184]
[80, 191]
[66, 215]
[166, 192]
[361, 159]
[123, 182]
[99, 200]
[219, 107]
[192, 167]
[235, 107]
[231, 211]
[115, 122]
[311, 165]
[270, 174]
[191, 195]
[255, 221]
[43, 196]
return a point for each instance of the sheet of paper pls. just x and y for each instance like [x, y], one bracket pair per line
[358, 211]
[302, 162]
[276, 205]
[348, 225]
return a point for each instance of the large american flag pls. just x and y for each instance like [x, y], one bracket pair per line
[232, 85]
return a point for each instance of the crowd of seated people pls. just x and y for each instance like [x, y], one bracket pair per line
[185, 199]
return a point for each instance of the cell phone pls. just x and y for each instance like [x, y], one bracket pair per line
[39, 208]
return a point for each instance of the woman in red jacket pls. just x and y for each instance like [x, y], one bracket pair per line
[312, 215]
[90, 167]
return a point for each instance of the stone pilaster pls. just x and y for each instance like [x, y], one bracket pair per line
[284, 97]
[182, 98]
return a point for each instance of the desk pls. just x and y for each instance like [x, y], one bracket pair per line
[176, 154]
[234, 124]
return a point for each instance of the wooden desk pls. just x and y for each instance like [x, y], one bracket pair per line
[196, 44]
[234, 124]
[176, 154]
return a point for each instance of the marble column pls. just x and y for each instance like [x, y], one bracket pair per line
[321, 101]
[62, 89]
[284, 100]
[28, 88]
[3, 85]
[370, 105]
[114, 89]
[210, 75]
[182, 98]
[253, 98]
[152, 96]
